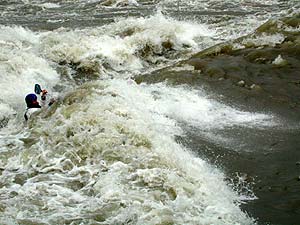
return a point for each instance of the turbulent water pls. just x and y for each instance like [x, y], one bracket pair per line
[107, 152]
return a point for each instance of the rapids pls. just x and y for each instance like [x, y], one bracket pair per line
[108, 151]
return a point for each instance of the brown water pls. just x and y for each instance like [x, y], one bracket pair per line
[260, 161]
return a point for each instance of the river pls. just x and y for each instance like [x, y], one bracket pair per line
[115, 151]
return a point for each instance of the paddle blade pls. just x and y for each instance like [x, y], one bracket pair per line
[37, 89]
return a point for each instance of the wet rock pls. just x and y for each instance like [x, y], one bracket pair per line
[268, 69]
[261, 56]
[108, 3]
[198, 64]
[88, 69]
[215, 72]
[127, 32]
[167, 45]
[274, 26]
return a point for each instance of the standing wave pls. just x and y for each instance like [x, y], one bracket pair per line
[103, 156]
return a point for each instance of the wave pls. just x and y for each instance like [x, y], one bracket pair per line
[21, 67]
[104, 155]
[126, 45]
[106, 152]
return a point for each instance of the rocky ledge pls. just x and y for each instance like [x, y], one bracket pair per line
[259, 72]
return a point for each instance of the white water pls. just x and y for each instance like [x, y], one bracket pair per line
[21, 67]
[116, 148]
[108, 154]
[121, 45]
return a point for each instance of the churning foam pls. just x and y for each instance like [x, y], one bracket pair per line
[193, 107]
[21, 67]
[107, 154]
[237, 16]
[49, 5]
[131, 44]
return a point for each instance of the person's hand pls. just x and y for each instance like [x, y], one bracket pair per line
[44, 92]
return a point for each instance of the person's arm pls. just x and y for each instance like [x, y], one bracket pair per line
[44, 101]
[43, 98]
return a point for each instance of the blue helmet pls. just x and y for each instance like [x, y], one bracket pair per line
[30, 99]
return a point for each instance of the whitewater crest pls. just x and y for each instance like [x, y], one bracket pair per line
[107, 151]
[121, 49]
[128, 45]
[20, 67]
[99, 157]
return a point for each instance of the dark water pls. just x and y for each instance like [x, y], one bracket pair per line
[270, 167]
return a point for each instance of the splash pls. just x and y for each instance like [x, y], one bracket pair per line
[106, 156]
[127, 45]
[107, 152]
[21, 67]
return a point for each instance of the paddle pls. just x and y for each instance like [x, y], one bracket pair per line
[37, 89]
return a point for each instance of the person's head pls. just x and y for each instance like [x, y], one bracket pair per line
[31, 101]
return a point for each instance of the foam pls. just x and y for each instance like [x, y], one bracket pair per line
[119, 3]
[130, 44]
[109, 153]
[21, 67]
[238, 17]
[195, 108]
[49, 5]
